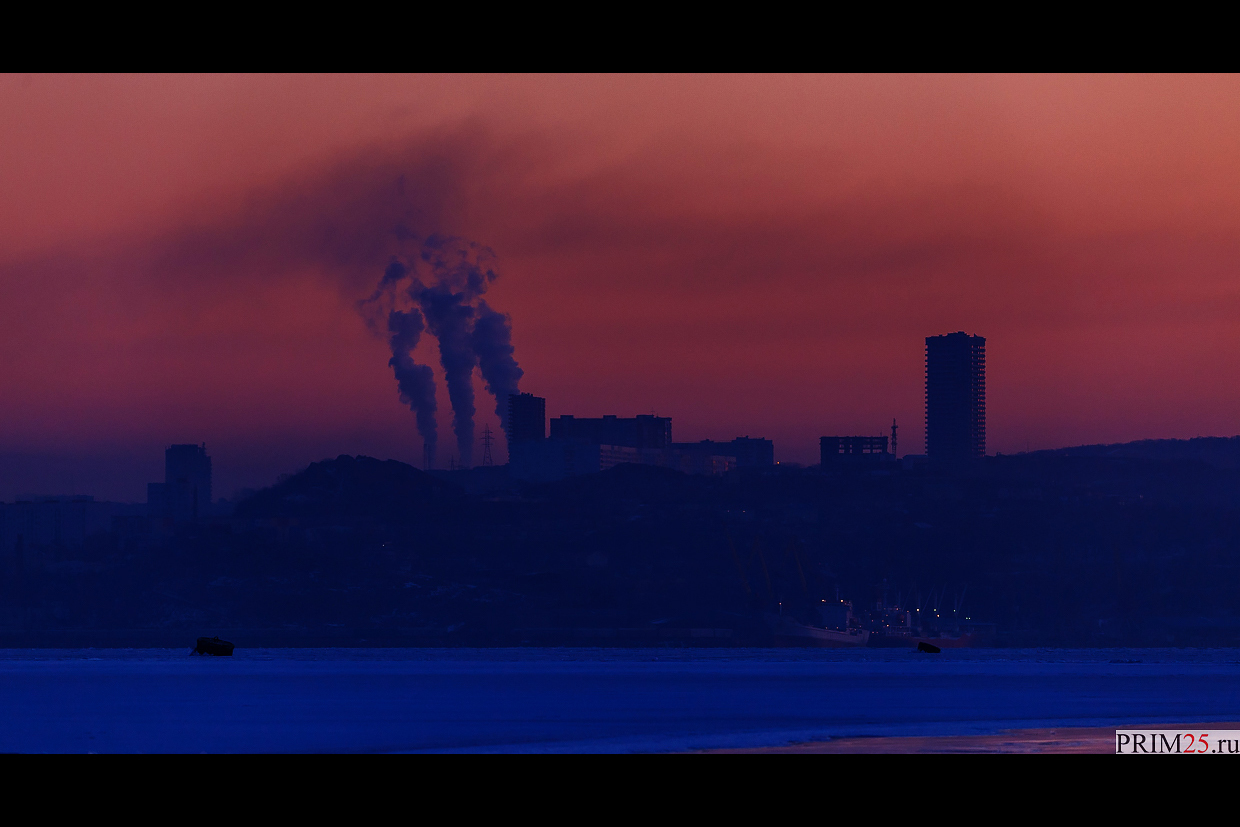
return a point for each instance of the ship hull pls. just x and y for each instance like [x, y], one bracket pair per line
[967, 640]
[787, 633]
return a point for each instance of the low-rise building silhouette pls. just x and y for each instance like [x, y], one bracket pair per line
[748, 452]
[53, 521]
[836, 451]
[646, 431]
[587, 446]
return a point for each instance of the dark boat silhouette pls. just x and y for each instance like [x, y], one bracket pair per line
[212, 646]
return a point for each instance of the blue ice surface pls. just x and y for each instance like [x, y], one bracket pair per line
[582, 700]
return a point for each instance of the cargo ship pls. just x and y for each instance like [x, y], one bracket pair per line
[835, 628]
[893, 626]
[785, 631]
[963, 640]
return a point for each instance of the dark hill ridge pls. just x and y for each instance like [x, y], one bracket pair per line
[1218, 451]
[627, 481]
[1135, 544]
[349, 488]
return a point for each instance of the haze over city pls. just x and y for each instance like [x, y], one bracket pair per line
[181, 258]
[619, 413]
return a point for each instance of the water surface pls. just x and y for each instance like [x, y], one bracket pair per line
[582, 700]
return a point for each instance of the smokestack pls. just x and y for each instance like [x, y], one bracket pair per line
[469, 331]
[416, 382]
[450, 319]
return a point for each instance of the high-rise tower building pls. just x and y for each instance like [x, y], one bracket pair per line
[955, 397]
[527, 418]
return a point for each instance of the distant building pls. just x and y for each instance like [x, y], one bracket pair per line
[527, 418]
[748, 453]
[851, 450]
[556, 459]
[692, 462]
[548, 460]
[587, 446]
[955, 397]
[52, 521]
[639, 432]
[185, 493]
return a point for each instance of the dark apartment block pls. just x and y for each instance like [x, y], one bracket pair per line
[527, 418]
[955, 397]
[638, 432]
[835, 450]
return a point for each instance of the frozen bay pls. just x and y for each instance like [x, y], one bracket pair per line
[582, 700]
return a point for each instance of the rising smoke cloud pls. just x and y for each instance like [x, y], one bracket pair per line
[441, 284]
[416, 382]
[492, 341]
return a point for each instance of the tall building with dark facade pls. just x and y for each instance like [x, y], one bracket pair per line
[527, 418]
[955, 397]
[639, 432]
[185, 493]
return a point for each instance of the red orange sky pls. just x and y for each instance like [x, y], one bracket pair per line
[180, 257]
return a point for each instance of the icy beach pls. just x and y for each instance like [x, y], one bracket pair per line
[582, 700]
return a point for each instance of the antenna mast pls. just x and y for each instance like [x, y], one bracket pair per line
[893, 440]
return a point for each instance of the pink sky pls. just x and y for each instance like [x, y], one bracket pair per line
[180, 257]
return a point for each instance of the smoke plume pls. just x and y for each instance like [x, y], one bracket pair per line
[440, 285]
[415, 382]
[492, 341]
[450, 319]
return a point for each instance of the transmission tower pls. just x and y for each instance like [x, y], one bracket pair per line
[487, 439]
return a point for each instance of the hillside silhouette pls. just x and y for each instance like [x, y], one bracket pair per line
[1220, 452]
[349, 488]
[1099, 545]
